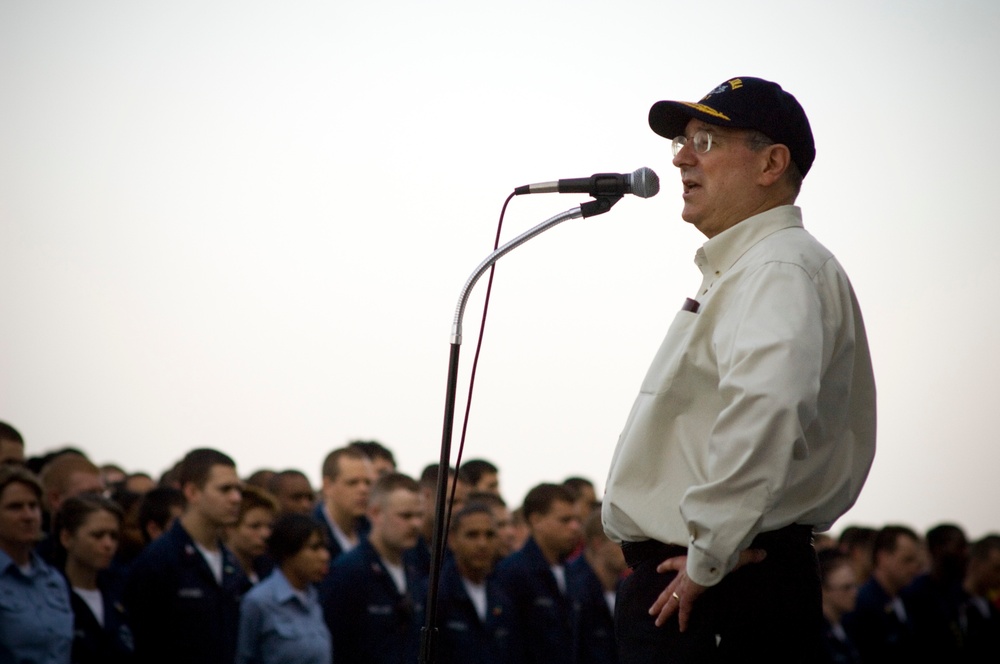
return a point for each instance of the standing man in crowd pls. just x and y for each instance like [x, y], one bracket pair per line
[347, 480]
[980, 623]
[755, 423]
[594, 577]
[881, 624]
[293, 492]
[481, 475]
[184, 590]
[535, 577]
[11, 445]
[476, 618]
[368, 596]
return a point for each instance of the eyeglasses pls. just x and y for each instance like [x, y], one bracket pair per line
[701, 142]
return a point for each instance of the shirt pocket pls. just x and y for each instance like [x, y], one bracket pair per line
[677, 345]
[287, 630]
[12, 603]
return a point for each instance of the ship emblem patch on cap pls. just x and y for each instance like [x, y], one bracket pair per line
[732, 84]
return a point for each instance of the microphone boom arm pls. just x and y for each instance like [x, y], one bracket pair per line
[589, 209]
[428, 635]
[456, 328]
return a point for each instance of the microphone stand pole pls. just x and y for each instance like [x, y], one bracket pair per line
[428, 635]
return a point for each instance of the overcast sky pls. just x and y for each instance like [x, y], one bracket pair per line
[246, 225]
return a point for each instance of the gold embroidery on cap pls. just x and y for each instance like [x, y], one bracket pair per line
[735, 84]
[706, 109]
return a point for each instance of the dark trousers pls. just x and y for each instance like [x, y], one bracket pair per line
[763, 612]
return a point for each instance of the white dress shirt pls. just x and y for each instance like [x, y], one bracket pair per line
[758, 411]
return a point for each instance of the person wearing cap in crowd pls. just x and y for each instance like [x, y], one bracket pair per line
[755, 424]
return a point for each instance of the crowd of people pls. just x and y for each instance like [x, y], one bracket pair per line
[201, 564]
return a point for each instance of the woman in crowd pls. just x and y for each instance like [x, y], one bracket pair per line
[281, 620]
[89, 531]
[36, 622]
[248, 538]
[840, 592]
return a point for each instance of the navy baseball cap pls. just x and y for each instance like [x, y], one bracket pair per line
[744, 103]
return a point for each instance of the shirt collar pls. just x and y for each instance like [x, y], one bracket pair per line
[7, 564]
[283, 590]
[722, 251]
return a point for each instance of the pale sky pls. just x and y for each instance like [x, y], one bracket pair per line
[246, 225]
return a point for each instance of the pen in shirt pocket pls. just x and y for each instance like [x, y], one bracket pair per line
[691, 305]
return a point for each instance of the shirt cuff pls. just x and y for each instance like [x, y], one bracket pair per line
[704, 569]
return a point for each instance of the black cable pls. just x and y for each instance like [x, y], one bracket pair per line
[472, 375]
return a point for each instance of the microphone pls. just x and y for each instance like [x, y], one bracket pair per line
[643, 183]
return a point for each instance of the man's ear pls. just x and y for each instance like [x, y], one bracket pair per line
[374, 510]
[532, 520]
[776, 159]
[153, 530]
[190, 491]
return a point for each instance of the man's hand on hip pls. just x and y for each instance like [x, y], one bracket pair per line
[680, 594]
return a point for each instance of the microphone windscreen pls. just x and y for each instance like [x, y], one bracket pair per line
[644, 182]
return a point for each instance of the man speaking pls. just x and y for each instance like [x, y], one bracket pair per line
[755, 424]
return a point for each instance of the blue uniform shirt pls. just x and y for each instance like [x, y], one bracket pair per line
[544, 614]
[370, 621]
[593, 622]
[178, 611]
[464, 637]
[278, 627]
[36, 621]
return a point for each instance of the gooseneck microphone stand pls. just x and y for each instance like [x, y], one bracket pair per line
[428, 635]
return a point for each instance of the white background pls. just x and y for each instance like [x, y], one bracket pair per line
[246, 224]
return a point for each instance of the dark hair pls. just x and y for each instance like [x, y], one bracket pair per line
[830, 560]
[197, 465]
[274, 484]
[940, 537]
[331, 464]
[593, 525]
[289, 534]
[7, 432]
[577, 482]
[10, 474]
[576, 485]
[125, 499]
[254, 497]
[887, 539]
[155, 507]
[468, 510]
[488, 499]
[539, 500]
[73, 512]
[429, 476]
[981, 548]
[473, 470]
[260, 478]
[856, 536]
[389, 483]
[373, 450]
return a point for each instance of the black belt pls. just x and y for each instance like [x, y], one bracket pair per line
[640, 552]
[794, 535]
